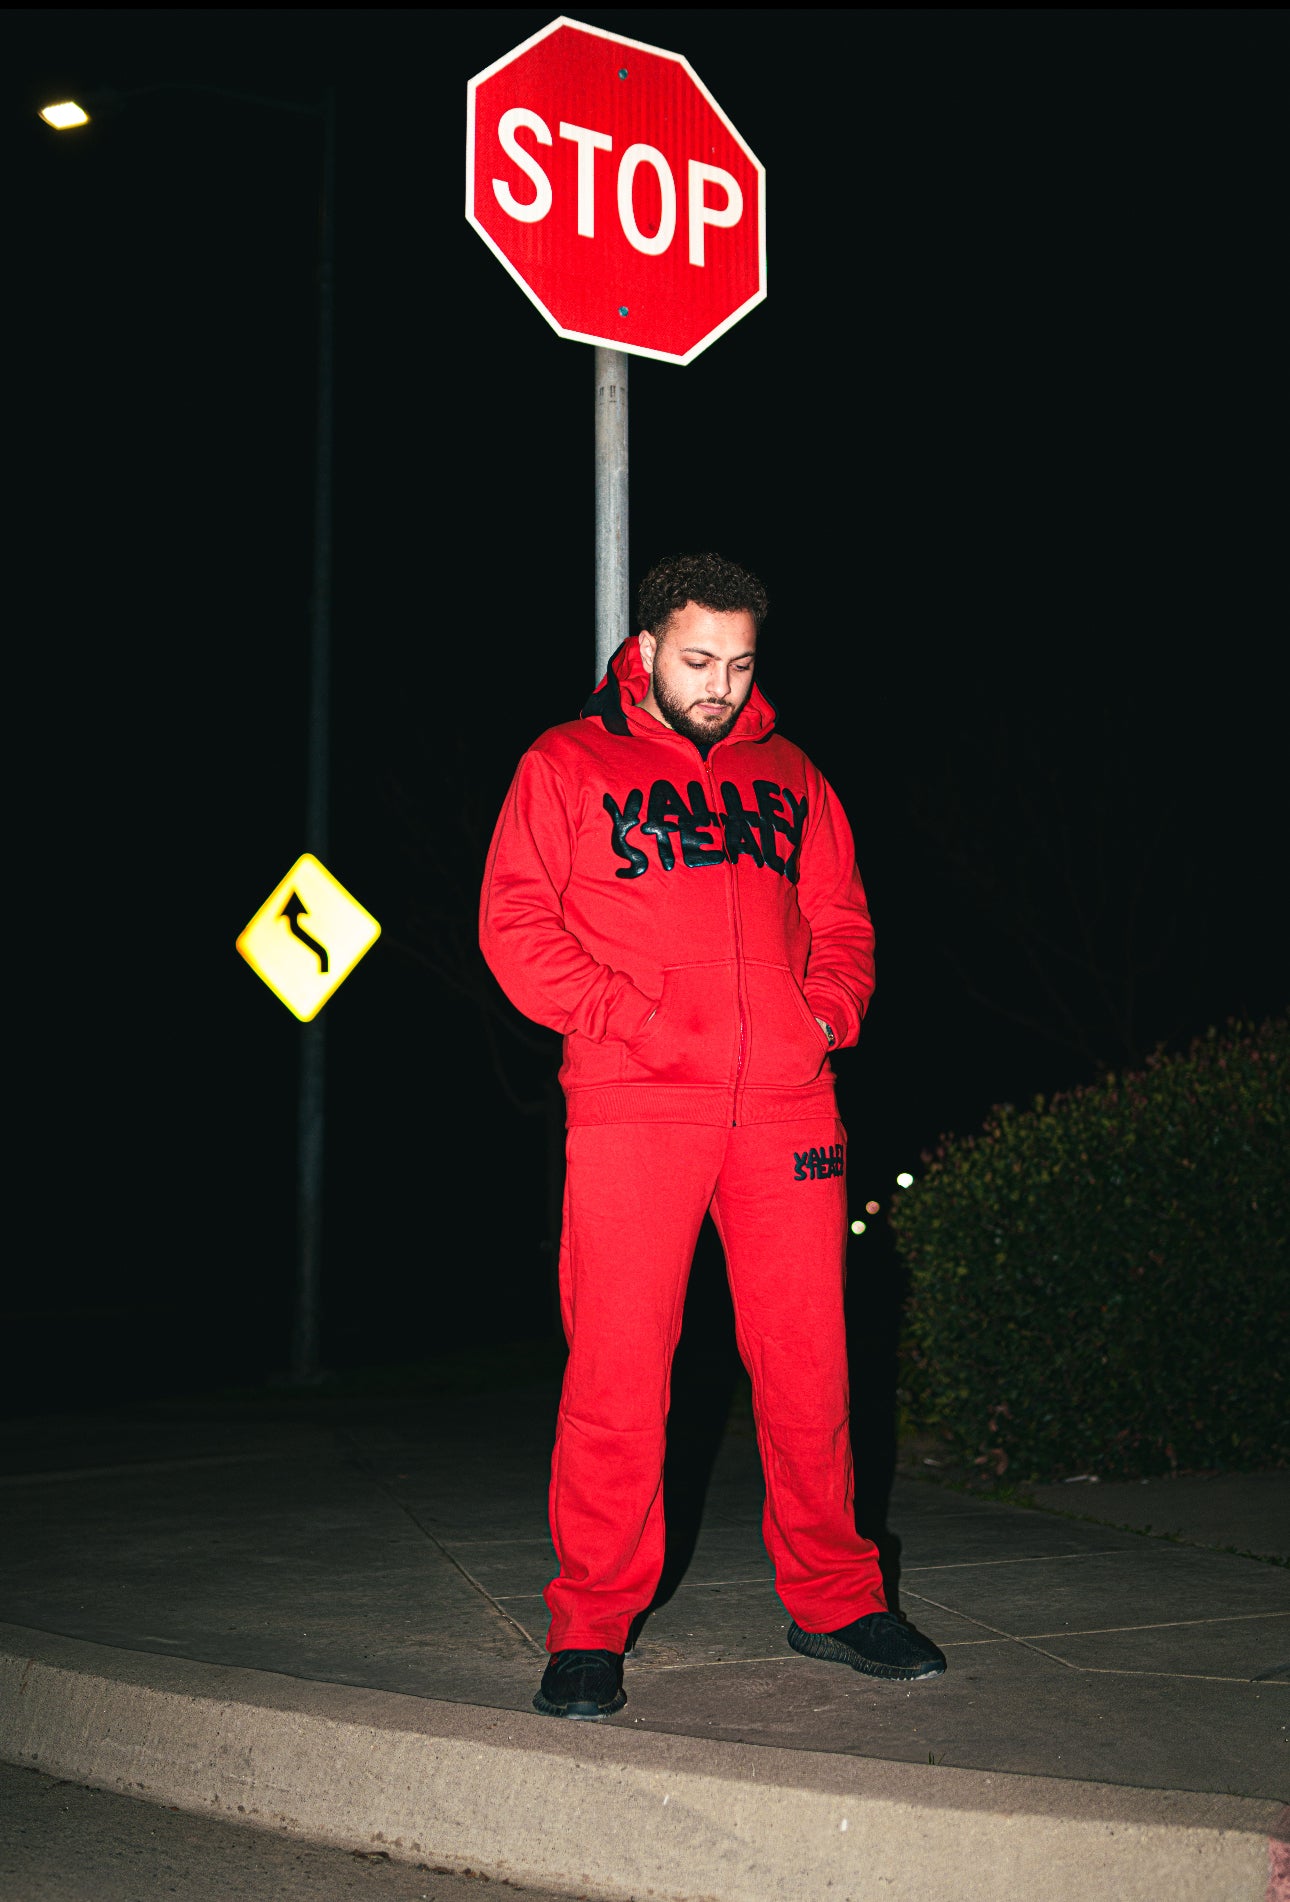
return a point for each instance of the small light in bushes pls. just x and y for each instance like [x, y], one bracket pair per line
[858, 1228]
[871, 1208]
[904, 1180]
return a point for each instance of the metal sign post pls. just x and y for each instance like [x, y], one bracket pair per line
[612, 606]
[603, 175]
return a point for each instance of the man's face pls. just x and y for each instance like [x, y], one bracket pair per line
[701, 671]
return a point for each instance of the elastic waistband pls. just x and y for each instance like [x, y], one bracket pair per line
[681, 1103]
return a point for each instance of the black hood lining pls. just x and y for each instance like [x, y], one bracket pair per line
[606, 704]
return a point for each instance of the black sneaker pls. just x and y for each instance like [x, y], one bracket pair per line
[881, 1645]
[586, 1684]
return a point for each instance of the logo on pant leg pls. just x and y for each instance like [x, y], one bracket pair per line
[814, 1165]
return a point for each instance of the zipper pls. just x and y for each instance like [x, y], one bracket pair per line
[737, 930]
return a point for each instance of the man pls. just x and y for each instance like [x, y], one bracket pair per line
[672, 886]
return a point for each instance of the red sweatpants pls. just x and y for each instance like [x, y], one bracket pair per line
[635, 1197]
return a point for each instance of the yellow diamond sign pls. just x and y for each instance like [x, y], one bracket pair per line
[307, 937]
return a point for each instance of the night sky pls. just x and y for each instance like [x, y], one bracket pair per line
[1003, 443]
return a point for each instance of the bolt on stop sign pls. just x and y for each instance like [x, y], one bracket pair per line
[616, 192]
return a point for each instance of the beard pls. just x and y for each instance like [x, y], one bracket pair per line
[703, 729]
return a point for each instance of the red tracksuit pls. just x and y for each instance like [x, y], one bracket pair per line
[684, 923]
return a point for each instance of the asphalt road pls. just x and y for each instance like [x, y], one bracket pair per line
[60, 1842]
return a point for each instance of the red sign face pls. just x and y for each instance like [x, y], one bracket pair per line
[616, 192]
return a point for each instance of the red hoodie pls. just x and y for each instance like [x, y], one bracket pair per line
[682, 922]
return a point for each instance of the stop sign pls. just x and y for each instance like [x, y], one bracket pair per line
[616, 192]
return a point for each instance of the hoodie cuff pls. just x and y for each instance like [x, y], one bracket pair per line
[629, 1013]
[831, 1006]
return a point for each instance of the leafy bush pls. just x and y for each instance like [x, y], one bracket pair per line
[1098, 1284]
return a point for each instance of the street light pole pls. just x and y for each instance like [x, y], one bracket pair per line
[305, 1332]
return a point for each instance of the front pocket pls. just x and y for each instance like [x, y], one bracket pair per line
[785, 1043]
[693, 1036]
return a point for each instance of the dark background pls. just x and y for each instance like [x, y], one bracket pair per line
[1001, 443]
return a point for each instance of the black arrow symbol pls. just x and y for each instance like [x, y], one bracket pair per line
[292, 911]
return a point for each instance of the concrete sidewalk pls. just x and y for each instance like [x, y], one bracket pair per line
[325, 1616]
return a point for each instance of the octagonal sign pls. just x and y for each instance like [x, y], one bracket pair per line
[616, 192]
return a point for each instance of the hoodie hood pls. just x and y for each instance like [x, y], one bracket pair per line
[626, 681]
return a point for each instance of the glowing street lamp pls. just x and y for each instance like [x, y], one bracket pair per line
[64, 115]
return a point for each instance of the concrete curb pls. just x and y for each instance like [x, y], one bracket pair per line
[608, 1811]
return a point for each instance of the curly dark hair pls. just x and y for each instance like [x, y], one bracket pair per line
[710, 581]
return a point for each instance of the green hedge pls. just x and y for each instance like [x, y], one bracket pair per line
[1099, 1284]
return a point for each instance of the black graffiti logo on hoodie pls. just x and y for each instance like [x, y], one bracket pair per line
[778, 814]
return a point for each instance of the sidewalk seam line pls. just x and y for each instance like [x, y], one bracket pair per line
[364, 1463]
[1165, 1624]
[1123, 1670]
[1012, 1638]
[1087, 1670]
[130, 1467]
[1031, 1558]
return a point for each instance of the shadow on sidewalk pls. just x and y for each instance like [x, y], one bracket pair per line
[877, 1286]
